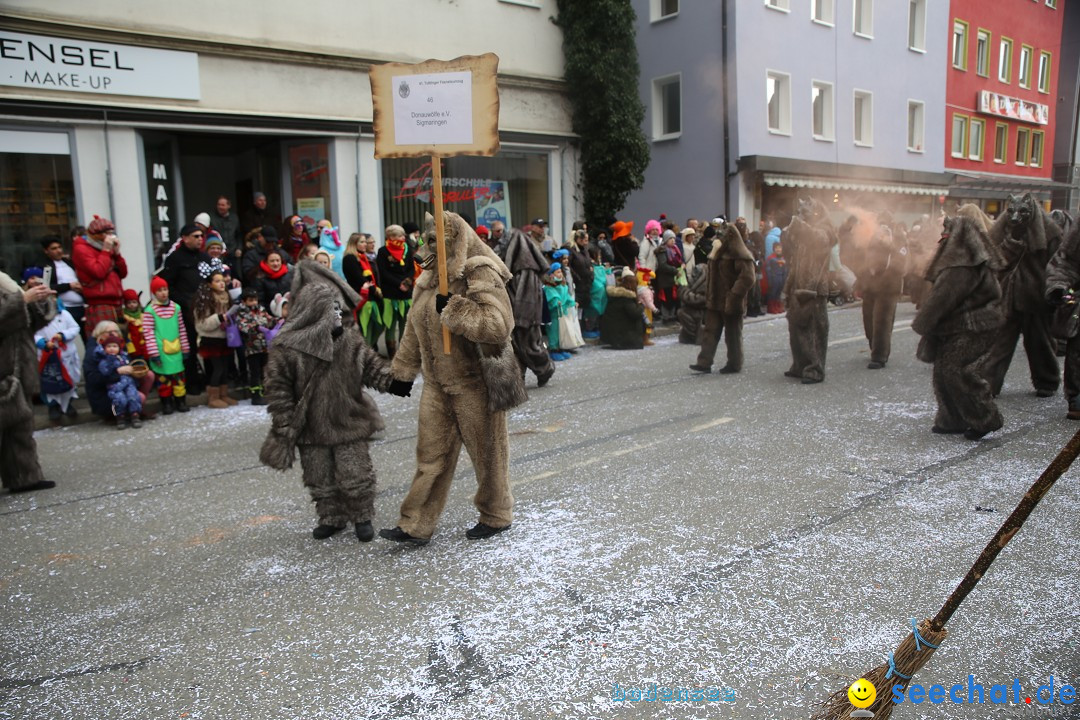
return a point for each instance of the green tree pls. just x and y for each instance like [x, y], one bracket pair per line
[602, 85]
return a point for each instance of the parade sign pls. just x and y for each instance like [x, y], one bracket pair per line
[441, 108]
[437, 108]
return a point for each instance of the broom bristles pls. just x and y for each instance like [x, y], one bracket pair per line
[911, 655]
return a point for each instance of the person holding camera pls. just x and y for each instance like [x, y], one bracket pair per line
[100, 269]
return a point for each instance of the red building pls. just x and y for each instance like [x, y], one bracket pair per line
[999, 98]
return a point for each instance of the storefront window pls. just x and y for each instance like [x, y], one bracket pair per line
[309, 174]
[511, 187]
[37, 195]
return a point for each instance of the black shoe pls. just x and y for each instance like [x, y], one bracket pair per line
[700, 368]
[727, 370]
[257, 396]
[321, 532]
[480, 530]
[71, 411]
[364, 531]
[1045, 393]
[542, 380]
[792, 374]
[875, 365]
[167, 406]
[39, 485]
[136, 421]
[399, 535]
[54, 412]
[121, 422]
[181, 403]
[974, 434]
[811, 381]
[942, 431]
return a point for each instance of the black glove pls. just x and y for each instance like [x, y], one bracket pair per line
[441, 300]
[401, 388]
[1056, 296]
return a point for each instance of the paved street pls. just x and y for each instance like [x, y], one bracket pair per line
[742, 532]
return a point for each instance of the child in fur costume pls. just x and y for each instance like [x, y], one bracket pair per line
[122, 391]
[316, 377]
[467, 392]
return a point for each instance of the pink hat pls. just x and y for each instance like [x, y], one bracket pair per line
[652, 225]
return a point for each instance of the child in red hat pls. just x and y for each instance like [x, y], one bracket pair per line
[126, 403]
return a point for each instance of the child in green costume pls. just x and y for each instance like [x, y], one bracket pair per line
[166, 345]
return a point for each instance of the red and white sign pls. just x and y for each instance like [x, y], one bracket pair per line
[993, 103]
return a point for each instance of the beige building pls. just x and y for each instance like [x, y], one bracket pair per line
[147, 112]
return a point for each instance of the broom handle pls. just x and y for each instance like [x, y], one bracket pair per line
[1008, 529]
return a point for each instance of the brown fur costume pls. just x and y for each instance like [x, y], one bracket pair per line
[315, 396]
[807, 243]
[880, 282]
[1025, 238]
[19, 382]
[1063, 278]
[730, 276]
[957, 321]
[526, 290]
[461, 403]
[692, 307]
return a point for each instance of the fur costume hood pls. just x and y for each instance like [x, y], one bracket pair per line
[464, 251]
[616, 291]
[964, 247]
[311, 310]
[1024, 238]
[729, 244]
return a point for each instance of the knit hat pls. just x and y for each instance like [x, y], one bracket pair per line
[110, 338]
[268, 233]
[669, 234]
[621, 229]
[130, 294]
[553, 268]
[482, 231]
[99, 225]
[627, 273]
[158, 283]
[214, 240]
[652, 225]
[258, 196]
[560, 253]
[31, 272]
[203, 219]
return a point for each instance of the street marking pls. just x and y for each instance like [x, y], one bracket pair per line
[617, 453]
[898, 327]
[711, 424]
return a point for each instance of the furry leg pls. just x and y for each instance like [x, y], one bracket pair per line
[19, 466]
[438, 444]
[884, 317]
[710, 335]
[733, 327]
[354, 476]
[1001, 352]
[1040, 350]
[317, 462]
[488, 444]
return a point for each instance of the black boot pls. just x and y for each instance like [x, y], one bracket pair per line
[121, 422]
[181, 403]
[365, 532]
[136, 421]
[481, 531]
[321, 531]
[167, 406]
[399, 535]
[257, 396]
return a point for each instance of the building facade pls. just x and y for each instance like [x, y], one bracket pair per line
[148, 117]
[842, 100]
[1002, 89]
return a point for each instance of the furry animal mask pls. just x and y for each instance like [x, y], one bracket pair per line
[963, 244]
[462, 243]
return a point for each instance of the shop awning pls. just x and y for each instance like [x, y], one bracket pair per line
[966, 180]
[826, 183]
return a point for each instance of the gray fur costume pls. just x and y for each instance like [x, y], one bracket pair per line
[880, 281]
[1025, 238]
[527, 265]
[1062, 279]
[19, 382]
[315, 396]
[807, 243]
[466, 393]
[692, 307]
[730, 276]
[958, 319]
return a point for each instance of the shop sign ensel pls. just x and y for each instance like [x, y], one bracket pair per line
[49, 63]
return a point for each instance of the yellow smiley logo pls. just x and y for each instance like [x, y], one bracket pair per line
[862, 693]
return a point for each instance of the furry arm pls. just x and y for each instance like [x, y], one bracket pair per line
[281, 391]
[946, 295]
[406, 364]
[739, 289]
[14, 313]
[1063, 271]
[375, 371]
[482, 314]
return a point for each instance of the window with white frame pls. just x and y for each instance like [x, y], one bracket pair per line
[784, 5]
[959, 44]
[917, 25]
[976, 138]
[864, 17]
[982, 53]
[663, 9]
[916, 125]
[1005, 60]
[863, 129]
[667, 107]
[824, 126]
[1051, 4]
[778, 92]
[1026, 54]
[823, 11]
[1044, 71]
[959, 135]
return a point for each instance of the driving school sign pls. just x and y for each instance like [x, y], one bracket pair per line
[51, 63]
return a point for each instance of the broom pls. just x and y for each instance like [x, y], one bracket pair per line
[926, 636]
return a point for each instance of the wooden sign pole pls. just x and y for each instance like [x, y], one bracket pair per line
[440, 239]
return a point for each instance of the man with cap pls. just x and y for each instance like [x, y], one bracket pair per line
[260, 214]
[538, 232]
[100, 268]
